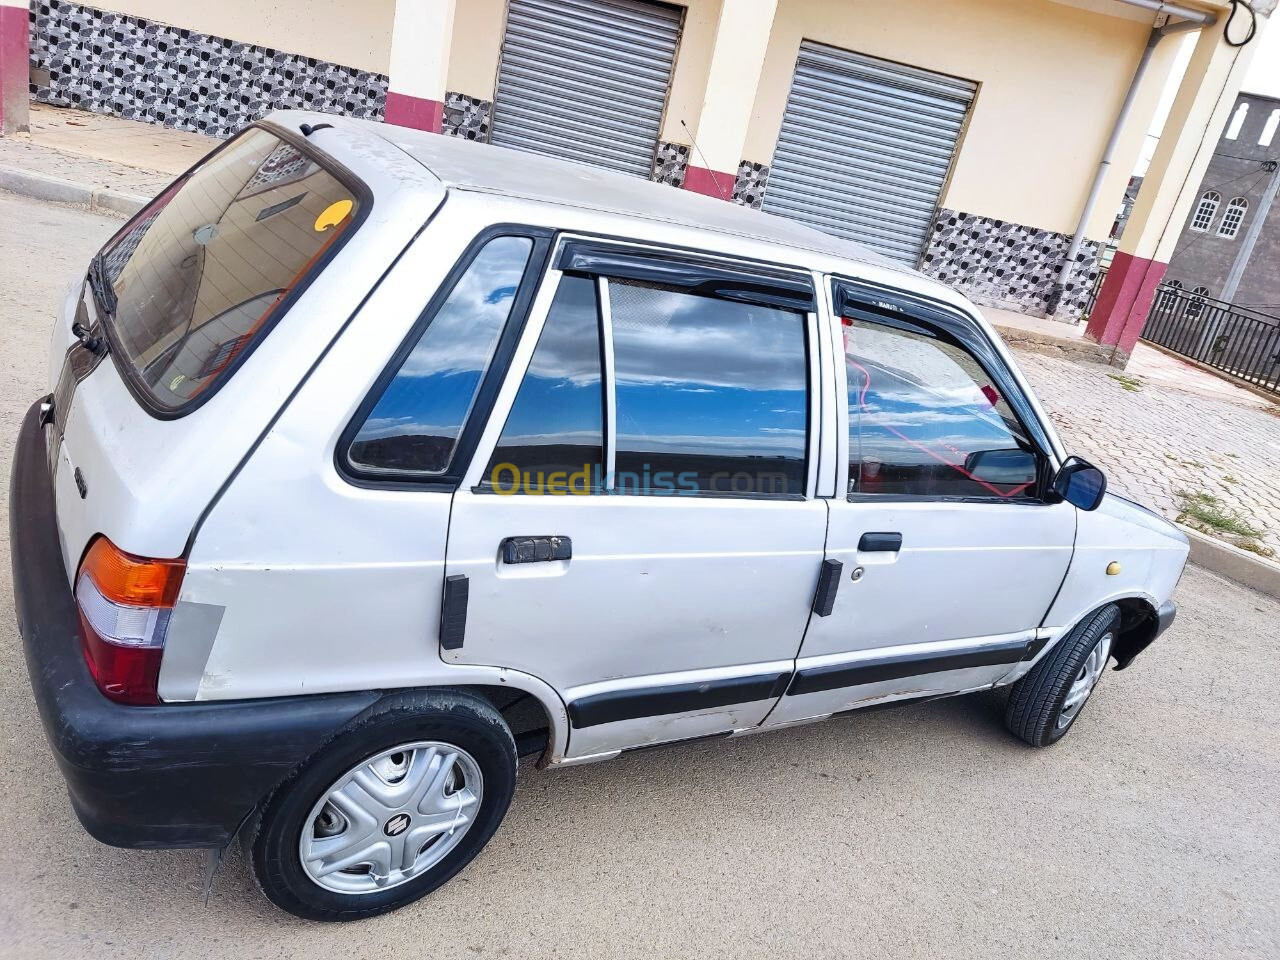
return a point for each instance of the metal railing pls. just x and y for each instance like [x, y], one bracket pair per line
[1092, 300]
[1225, 336]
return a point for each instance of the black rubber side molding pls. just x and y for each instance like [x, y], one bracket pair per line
[677, 698]
[453, 612]
[838, 675]
[824, 598]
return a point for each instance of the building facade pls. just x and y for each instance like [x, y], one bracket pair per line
[1230, 243]
[958, 136]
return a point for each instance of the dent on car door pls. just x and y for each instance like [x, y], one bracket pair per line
[951, 553]
[638, 526]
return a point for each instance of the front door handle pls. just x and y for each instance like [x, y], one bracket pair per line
[880, 543]
[536, 549]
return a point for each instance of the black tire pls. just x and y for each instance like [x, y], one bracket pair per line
[455, 718]
[1036, 701]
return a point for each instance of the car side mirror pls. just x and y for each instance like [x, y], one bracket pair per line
[1011, 467]
[1080, 483]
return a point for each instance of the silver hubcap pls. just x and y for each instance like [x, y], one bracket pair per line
[1085, 680]
[392, 818]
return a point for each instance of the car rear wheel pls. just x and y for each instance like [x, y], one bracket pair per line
[389, 811]
[1045, 703]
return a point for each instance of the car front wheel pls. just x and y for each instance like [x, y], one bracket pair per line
[389, 811]
[1045, 703]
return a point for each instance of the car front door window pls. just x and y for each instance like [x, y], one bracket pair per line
[926, 421]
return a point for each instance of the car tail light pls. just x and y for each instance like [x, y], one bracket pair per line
[125, 604]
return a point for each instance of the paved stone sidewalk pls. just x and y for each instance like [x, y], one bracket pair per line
[102, 152]
[1167, 427]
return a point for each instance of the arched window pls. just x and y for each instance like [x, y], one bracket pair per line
[1196, 306]
[1169, 295]
[1237, 121]
[1233, 217]
[1205, 211]
[1269, 129]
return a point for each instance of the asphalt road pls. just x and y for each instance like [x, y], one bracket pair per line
[1151, 831]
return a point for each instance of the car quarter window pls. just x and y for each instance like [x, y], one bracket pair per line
[553, 440]
[925, 420]
[415, 424]
[711, 394]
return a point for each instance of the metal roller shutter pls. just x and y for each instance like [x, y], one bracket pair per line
[865, 148]
[586, 80]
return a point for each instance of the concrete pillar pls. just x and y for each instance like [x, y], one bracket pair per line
[1172, 184]
[15, 65]
[421, 36]
[742, 37]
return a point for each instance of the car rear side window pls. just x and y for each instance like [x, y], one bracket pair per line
[415, 424]
[711, 394]
[210, 265]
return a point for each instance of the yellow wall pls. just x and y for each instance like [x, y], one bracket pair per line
[693, 61]
[477, 44]
[1051, 80]
[353, 33]
[1051, 76]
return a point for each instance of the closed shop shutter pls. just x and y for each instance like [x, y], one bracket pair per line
[586, 80]
[865, 148]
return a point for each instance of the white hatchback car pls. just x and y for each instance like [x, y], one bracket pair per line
[374, 460]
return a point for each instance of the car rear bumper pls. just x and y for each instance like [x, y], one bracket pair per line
[175, 775]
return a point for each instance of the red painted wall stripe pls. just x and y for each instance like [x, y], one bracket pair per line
[406, 111]
[14, 68]
[709, 182]
[1125, 301]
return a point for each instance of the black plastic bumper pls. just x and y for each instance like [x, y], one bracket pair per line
[177, 775]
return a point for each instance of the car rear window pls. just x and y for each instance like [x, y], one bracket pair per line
[205, 271]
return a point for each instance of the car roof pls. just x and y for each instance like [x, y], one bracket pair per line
[463, 164]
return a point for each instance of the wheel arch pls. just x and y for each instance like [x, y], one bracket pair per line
[1139, 626]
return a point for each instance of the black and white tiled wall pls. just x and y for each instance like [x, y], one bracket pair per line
[467, 117]
[749, 185]
[111, 63]
[1003, 264]
[670, 163]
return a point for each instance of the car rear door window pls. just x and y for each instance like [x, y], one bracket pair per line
[553, 440]
[415, 424]
[200, 276]
[925, 420]
[711, 394]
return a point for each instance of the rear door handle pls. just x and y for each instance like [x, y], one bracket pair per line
[536, 549]
[880, 543]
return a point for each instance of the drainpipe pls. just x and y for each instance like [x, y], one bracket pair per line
[1192, 20]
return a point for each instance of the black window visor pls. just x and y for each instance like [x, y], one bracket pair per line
[763, 285]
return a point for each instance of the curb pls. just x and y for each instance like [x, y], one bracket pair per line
[41, 187]
[1073, 348]
[1233, 563]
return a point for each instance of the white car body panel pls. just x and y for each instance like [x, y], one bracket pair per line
[149, 478]
[301, 581]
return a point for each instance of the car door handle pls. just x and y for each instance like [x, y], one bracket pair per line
[536, 549]
[880, 543]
